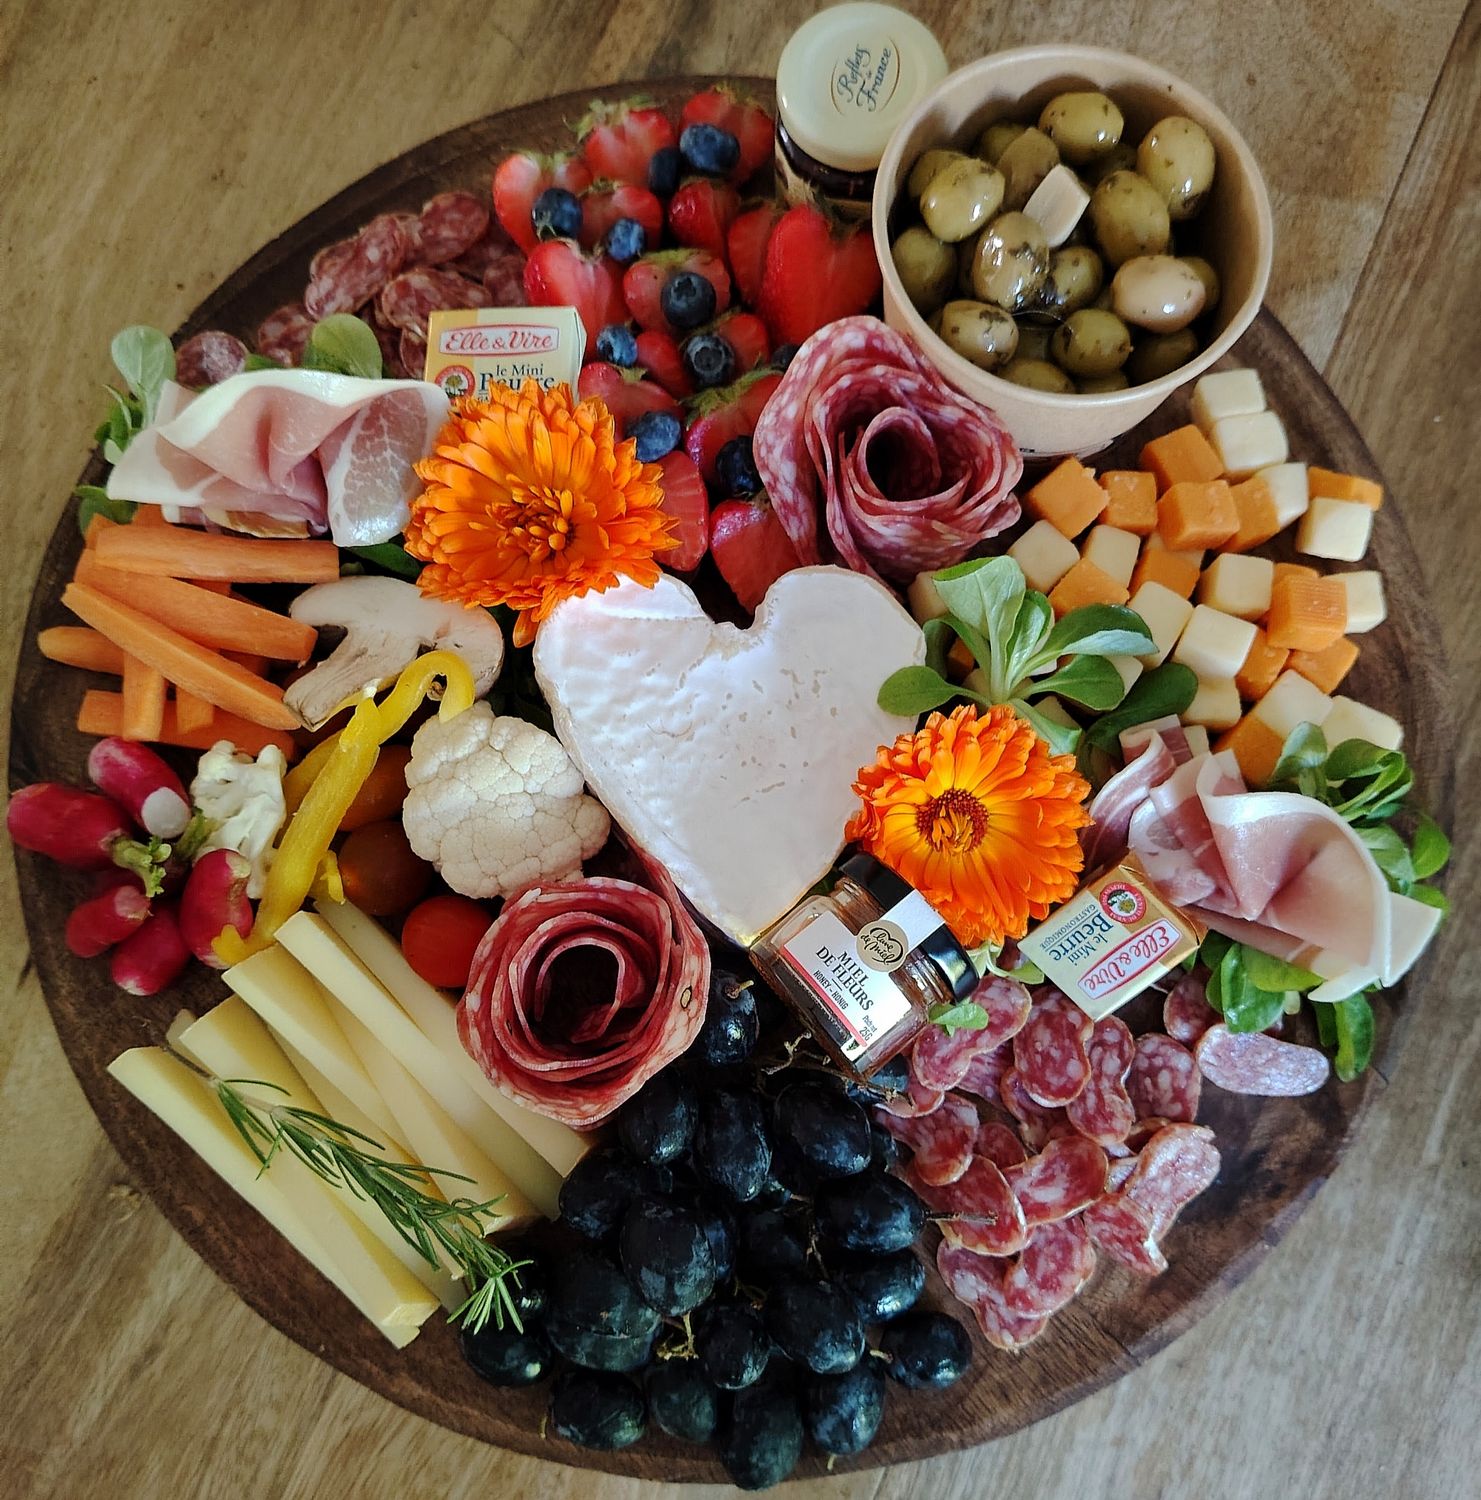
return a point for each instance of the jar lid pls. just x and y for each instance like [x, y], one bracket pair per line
[941, 947]
[849, 76]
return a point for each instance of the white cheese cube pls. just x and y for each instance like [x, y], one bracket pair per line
[1226, 393]
[1288, 488]
[1238, 584]
[1338, 529]
[1249, 443]
[1214, 644]
[1197, 737]
[1113, 551]
[1351, 720]
[924, 598]
[1366, 605]
[1129, 668]
[1164, 613]
[1057, 204]
[1045, 555]
[1215, 705]
[1054, 711]
[1292, 701]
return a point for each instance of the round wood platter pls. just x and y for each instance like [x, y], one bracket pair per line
[1276, 1153]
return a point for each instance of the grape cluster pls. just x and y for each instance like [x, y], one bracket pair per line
[732, 1253]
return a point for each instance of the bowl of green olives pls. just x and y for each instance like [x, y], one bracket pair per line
[1070, 234]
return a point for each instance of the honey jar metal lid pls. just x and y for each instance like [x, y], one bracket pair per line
[849, 76]
[941, 947]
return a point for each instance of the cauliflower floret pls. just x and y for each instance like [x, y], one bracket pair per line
[497, 804]
[243, 798]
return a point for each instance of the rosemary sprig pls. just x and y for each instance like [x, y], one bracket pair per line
[347, 1158]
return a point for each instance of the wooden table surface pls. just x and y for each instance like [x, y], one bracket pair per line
[149, 149]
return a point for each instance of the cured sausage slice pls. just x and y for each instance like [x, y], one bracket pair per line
[1124, 1231]
[347, 275]
[450, 225]
[1164, 1079]
[408, 300]
[1103, 1109]
[1253, 1063]
[1172, 1169]
[1067, 1176]
[1186, 1015]
[1057, 1261]
[1049, 1052]
[283, 335]
[209, 357]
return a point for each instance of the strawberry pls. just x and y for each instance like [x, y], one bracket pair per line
[604, 203]
[557, 274]
[685, 501]
[521, 178]
[659, 355]
[618, 140]
[746, 334]
[745, 245]
[626, 393]
[750, 548]
[742, 116]
[643, 282]
[700, 214]
[727, 412]
[815, 273]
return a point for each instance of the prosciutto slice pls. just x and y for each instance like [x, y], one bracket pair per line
[310, 450]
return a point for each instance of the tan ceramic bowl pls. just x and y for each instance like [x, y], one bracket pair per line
[1234, 228]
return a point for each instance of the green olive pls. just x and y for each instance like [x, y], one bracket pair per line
[1039, 375]
[927, 164]
[985, 335]
[1028, 160]
[1096, 385]
[1157, 292]
[1129, 217]
[1033, 340]
[966, 253]
[1159, 354]
[1207, 275]
[1120, 158]
[1074, 280]
[1091, 342]
[925, 266]
[1177, 158]
[1084, 125]
[997, 138]
[1011, 262]
[961, 198]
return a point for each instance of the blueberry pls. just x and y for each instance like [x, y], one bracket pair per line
[783, 355]
[736, 468]
[687, 299]
[663, 171]
[626, 240]
[657, 433]
[618, 345]
[709, 149]
[709, 359]
[556, 215]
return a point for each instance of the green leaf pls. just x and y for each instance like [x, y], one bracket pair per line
[1167, 689]
[1355, 758]
[1249, 1009]
[1275, 974]
[344, 345]
[1305, 749]
[1326, 1024]
[974, 641]
[1088, 680]
[1430, 852]
[1391, 855]
[257, 361]
[389, 557]
[985, 595]
[1354, 1022]
[95, 501]
[1030, 631]
[1061, 738]
[939, 635]
[1385, 786]
[913, 691]
[145, 358]
[965, 1015]
[1099, 630]
[1430, 896]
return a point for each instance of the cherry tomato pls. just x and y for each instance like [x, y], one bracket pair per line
[381, 874]
[439, 938]
[383, 791]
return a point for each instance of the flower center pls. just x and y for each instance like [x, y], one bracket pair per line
[955, 821]
[543, 520]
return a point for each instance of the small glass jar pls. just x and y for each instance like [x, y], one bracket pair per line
[845, 80]
[862, 965]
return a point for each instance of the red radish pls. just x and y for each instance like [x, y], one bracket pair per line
[134, 775]
[153, 958]
[215, 898]
[73, 827]
[107, 919]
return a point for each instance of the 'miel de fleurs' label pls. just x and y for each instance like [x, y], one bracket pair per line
[1111, 940]
[470, 349]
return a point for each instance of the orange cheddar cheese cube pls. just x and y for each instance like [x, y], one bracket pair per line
[1330, 484]
[1306, 614]
[1067, 497]
[1254, 504]
[1182, 455]
[1177, 571]
[1262, 666]
[1197, 513]
[1326, 668]
[1131, 500]
[1256, 747]
[1085, 584]
[959, 660]
[1294, 570]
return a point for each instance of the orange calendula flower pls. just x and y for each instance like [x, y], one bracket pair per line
[979, 817]
[530, 499]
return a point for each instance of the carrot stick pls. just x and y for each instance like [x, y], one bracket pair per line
[213, 585]
[204, 617]
[95, 528]
[143, 700]
[192, 714]
[77, 646]
[180, 553]
[102, 713]
[149, 515]
[207, 674]
[254, 663]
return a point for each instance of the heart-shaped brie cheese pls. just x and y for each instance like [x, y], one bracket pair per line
[727, 754]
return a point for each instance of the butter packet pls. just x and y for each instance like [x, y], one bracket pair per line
[1111, 940]
[473, 348]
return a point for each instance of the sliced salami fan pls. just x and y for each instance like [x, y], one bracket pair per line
[984, 1075]
[1172, 1169]
[1253, 1063]
[209, 357]
[1057, 1261]
[1068, 1175]
[408, 300]
[450, 225]
[345, 276]
[1124, 1231]
[283, 335]
[1186, 1014]
[1049, 1052]
[1103, 1110]
[1035, 1122]
[1000, 1144]
[1164, 1079]
[943, 1141]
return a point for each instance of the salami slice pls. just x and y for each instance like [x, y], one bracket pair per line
[1118, 1170]
[345, 276]
[1253, 1063]
[411, 354]
[283, 335]
[1143, 1131]
[943, 1141]
[449, 226]
[967, 1275]
[942, 1062]
[504, 279]
[1035, 1122]
[1124, 1231]
[916, 1100]
[1049, 1052]
[1163, 1079]
[981, 1212]
[1103, 1110]
[1002, 1327]
[1057, 1261]
[1065, 1177]
[999, 1143]
[1172, 1169]
[1186, 1015]
[408, 300]
[411, 227]
[209, 357]
[984, 1075]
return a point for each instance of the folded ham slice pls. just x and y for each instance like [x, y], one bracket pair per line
[305, 447]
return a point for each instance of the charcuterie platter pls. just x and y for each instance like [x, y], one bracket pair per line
[645, 842]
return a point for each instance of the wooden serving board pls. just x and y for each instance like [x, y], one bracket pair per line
[1276, 1153]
